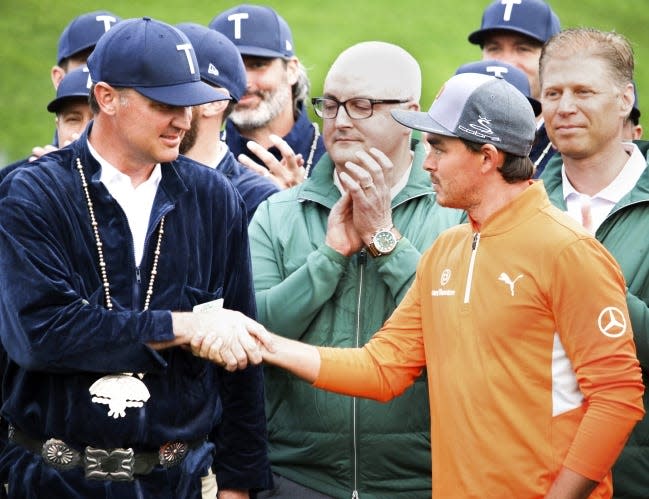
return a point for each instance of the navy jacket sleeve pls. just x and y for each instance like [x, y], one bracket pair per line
[49, 315]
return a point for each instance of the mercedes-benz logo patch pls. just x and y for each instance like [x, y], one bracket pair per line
[612, 322]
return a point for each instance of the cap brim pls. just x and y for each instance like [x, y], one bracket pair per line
[477, 37]
[183, 94]
[418, 120]
[536, 106]
[57, 104]
[260, 52]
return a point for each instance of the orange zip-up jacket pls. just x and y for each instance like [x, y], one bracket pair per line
[524, 330]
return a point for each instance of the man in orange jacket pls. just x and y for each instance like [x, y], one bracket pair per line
[534, 384]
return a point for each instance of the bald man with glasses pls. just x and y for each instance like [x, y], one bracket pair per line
[317, 275]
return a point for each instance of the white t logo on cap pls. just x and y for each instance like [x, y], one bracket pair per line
[509, 4]
[89, 81]
[498, 71]
[187, 48]
[236, 18]
[107, 20]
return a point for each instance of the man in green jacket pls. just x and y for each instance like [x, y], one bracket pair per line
[316, 282]
[603, 182]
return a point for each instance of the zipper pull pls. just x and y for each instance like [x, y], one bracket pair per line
[362, 257]
[138, 277]
[355, 494]
[475, 241]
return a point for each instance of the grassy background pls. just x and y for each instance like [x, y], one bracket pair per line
[435, 32]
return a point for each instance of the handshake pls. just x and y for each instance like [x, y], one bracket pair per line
[223, 336]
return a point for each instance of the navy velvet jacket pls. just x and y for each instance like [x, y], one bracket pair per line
[60, 338]
[253, 187]
[300, 138]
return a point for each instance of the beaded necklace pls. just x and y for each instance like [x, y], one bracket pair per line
[118, 391]
[100, 252]
[314, 144]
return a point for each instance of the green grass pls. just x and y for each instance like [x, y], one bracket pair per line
[433, 31]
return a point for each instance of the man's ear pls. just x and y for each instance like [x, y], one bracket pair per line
[107, 97]
[492, 158]
[57, 73]
[213, 108]
[628, 96]
[413, 106]
[292, 70]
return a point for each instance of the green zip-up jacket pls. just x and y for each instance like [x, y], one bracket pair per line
[305, 290]
[625, 233]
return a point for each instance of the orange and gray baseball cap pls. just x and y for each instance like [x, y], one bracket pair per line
[478, 108]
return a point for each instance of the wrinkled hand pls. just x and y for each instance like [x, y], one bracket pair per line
[341, 233]
[285, 173]
[368, 182]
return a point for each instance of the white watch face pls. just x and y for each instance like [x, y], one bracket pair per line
[384, 241]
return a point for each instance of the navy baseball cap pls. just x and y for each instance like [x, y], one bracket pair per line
[635, 110]
[256, 30]
[478, 108]
[153, 58]
[219, 60]
[507, 72]
[75, 85]
[532, 18]
[83, 32]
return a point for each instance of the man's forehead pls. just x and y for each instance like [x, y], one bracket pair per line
[356, 83]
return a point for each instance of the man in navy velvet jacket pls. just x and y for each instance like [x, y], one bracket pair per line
[125, 284]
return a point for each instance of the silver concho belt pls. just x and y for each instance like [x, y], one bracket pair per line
[118, 464]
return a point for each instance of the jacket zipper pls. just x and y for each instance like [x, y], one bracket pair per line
[362, 260]
[469, 278]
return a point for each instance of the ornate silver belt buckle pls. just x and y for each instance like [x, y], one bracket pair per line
[116, 464]
[60, 455]
[171, 453]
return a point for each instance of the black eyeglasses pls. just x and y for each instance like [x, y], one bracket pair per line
[358, 108]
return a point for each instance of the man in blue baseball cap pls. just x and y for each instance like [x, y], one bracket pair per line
[507, 72]
[220, 65]
[72, 114]
[125, 286]
[78, 39]
[514, 31]
[271, 115]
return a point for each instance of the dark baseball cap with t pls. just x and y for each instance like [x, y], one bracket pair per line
[478, 108]
[635, 111]
[219, 60]
[532, 18]
[75, 85]
[256, 31]
[505, 71]
[155, 59]
[83, 32]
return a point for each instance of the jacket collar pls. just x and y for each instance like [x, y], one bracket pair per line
[554, 186]
[172, 184]
[519, 211]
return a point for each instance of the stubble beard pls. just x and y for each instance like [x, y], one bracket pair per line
[270, 107]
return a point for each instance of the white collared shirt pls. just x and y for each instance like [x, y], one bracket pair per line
[602, 202]
[136, 202]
